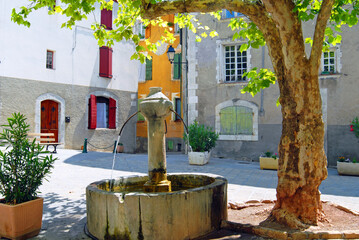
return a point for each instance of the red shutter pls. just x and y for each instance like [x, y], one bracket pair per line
[106, 18]
[112, 113]
[148, 31]
[92, 112]
[106, 62]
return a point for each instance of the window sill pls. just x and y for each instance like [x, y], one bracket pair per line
[239, 137]
[234, 83]
[330, 76]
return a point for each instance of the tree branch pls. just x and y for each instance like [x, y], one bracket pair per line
[152, 11]
[323, 16]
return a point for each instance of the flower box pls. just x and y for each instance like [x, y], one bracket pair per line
[198, 158]
[348, 168]
[268, 163]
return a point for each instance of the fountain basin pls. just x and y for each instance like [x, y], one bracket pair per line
[194, 210]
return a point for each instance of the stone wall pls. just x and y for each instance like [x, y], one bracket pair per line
[21, 95]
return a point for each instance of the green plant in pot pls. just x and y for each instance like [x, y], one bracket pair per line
[201, 139]
[23, 167]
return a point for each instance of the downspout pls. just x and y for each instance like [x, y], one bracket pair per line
[261, 110]
[184, 83]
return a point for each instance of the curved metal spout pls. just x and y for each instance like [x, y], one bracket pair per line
[181, 119]
[127, 121]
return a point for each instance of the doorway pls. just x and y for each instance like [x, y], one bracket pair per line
[50, 118]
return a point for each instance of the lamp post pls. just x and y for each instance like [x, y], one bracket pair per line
[171, 54]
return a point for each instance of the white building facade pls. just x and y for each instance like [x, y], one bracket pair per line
[64, 82]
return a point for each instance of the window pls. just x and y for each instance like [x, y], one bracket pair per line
[50, 59]
[237, 120]
[102, 112]
[230, 14]
[177, 103]
[329, 63]
[105, 62]
[141, 30]
[106, 18]
[177, 66]
[148, 69]
[235, 64]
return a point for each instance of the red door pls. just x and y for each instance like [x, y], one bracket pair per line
[50, 118]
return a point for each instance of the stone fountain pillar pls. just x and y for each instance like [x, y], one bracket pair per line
[155, 108]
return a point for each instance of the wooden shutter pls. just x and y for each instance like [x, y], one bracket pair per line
[244, 117]
[112, 113]
[105, 62]
[177, 66]
[106, 18]
[148, 69]
[228, 120]
[148, 31]
[92, 112]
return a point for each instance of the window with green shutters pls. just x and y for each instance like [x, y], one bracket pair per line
[236, 120]
[148, 69]
[177, 66]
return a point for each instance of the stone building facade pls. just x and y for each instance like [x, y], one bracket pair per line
[60, 78]
[250, 126]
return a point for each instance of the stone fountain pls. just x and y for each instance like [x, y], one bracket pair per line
[157, 205]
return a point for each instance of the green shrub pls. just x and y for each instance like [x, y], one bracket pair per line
[22, 168]
[201, 138]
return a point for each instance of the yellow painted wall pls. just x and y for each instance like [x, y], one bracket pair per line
[161, 77]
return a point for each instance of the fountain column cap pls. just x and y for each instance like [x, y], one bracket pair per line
[156, 104]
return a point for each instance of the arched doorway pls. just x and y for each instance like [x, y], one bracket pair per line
[50, 118]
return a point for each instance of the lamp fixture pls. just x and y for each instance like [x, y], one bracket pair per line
[171, 54]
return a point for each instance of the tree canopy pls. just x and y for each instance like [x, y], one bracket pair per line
[278, 24]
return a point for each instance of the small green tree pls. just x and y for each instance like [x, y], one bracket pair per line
[201, 138]
[22, 168]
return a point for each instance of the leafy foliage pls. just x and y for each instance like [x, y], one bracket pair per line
[201, 138]
[355, 127]
[22, 168]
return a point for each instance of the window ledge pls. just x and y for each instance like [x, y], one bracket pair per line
[330, 76]
[239, 137]
[233, 83]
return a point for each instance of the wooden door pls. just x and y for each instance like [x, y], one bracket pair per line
[50, 118]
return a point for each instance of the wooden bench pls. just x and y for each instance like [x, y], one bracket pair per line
[46, 139]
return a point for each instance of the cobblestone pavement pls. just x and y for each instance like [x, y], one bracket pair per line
[65, 201]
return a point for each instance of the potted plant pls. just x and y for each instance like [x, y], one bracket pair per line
[346, 166]
[120, 147]
[201, 140]
[22, 170]
[268, 161]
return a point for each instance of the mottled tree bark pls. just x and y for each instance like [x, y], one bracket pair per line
[302, 164]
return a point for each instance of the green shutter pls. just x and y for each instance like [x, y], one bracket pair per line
[148, 69]
[236, 120]
[244, 116]
[177, 66]
[228, 121]
[140, 117]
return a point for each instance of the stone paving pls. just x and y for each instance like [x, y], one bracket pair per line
[65, 201]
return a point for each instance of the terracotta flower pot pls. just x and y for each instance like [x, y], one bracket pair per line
[120, 148]
[21, 221]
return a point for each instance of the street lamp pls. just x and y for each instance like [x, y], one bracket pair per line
[171, 54]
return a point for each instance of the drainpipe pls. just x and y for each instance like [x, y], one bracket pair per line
[184, 83]
[261, 110]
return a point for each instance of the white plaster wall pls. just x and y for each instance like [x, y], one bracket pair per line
[76, 61]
